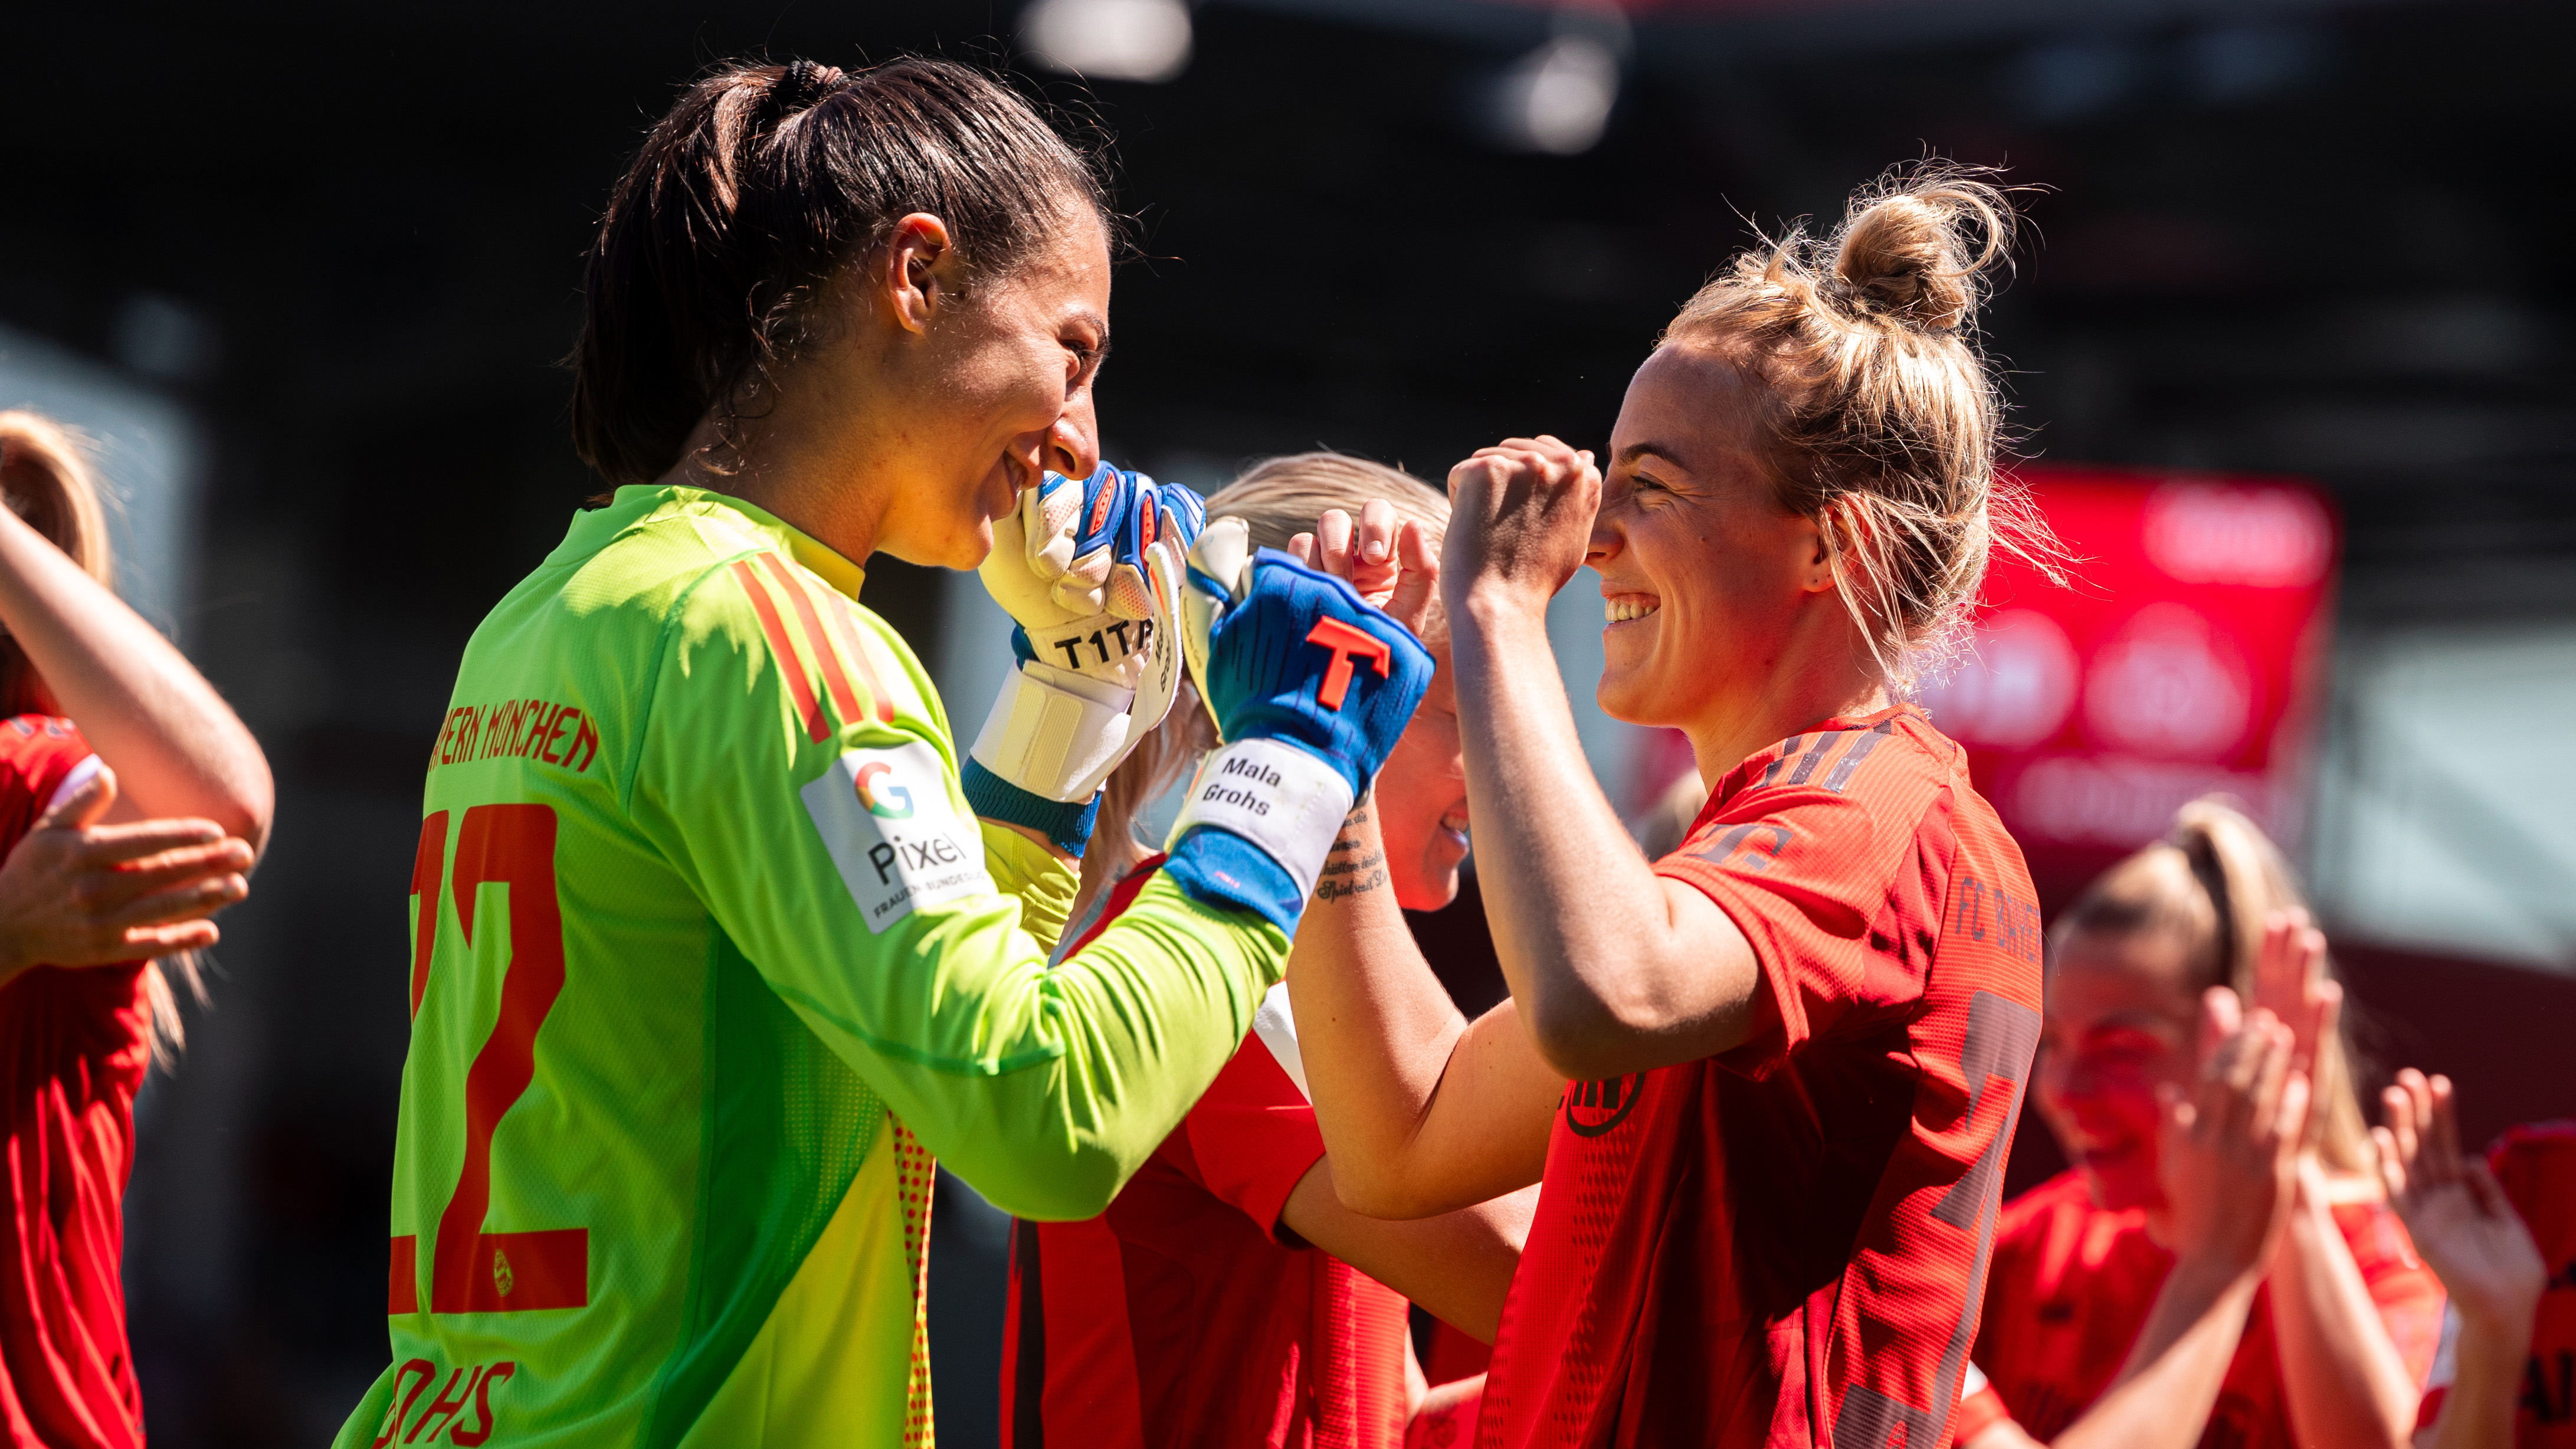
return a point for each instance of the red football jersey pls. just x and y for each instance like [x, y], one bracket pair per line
[2073, 1285]
[2537, 1165]
[1184, 1315]
[73, 1051]
[1786, 1244]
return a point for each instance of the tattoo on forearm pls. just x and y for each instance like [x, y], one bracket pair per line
[1334, 890]
[1350, 867]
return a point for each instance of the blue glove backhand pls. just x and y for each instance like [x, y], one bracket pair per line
[1302, 657]
[1310, 688]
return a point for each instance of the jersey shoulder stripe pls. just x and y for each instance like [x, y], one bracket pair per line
[822, 643]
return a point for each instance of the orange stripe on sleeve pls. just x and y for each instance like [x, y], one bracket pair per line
[781, 648]
[855, 640]
[835, 678]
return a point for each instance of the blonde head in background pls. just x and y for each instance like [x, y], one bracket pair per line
[2128, 964]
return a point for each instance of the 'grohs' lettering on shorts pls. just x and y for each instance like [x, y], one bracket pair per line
[460, 1412]
[526, 729]
[1593, 1108]
[1241, 782]
[1980, 911]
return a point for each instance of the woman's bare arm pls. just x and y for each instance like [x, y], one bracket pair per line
[1458, 1265]
[2344, 1379]
[1615, 969]
[2472, 1238]
[1424, 1111]
[2342, 1374]
[178, 749]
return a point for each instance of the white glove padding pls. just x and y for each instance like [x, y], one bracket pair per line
[1091, 571]
[1057, 733]
[1070, 565]
[1223, 557]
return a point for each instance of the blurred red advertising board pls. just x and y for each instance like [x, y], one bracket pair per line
[2186, 657]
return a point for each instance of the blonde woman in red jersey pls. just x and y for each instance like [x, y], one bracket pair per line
[1797, 1044]
[2501, 1233]
[2186, 1283]
[88, 892]
[1227, 1296]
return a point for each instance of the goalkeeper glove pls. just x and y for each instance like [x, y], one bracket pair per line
[1090, 573]
[1310, 687]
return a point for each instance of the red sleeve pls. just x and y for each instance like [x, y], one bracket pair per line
[1807, 870]
[2410, 1298]
[1251, 1139]
[37, 754]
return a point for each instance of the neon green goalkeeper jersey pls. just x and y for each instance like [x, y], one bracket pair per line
[709, 958]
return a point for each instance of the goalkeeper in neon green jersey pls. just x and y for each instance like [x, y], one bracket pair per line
[718, 937]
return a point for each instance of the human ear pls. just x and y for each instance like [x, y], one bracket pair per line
[917, 271]
[1816, 552]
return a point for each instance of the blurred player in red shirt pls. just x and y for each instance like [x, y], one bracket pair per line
[1797, 1044]
[1227, 1296]
[2502, 1235]
[2191, 1280]
[88, 893]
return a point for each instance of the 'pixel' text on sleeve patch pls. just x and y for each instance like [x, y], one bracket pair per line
[900, 845]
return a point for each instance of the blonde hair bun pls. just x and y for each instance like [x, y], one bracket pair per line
[1915, 247]
[1886, 417]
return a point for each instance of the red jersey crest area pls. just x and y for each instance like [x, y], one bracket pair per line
[1787, 1244]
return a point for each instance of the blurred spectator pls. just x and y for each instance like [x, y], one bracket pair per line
[87, 892]
[2502, 1377]
[2219, 1268]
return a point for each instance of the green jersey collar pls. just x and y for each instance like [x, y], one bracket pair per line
[636, 502]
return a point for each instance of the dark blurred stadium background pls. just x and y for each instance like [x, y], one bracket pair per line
[307, 269]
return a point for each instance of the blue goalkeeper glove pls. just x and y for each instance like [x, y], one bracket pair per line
[1090, 571]
[1310, 687]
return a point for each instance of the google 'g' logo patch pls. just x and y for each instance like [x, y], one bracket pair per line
[888, 801]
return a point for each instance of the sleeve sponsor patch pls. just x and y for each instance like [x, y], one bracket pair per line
[898, 842]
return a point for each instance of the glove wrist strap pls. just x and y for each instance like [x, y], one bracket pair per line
[1285, 800]
[1053, 732]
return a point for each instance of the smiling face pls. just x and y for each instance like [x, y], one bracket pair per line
[2120, 1022]
[1707, 581]
[996, 391]
[1422, 796]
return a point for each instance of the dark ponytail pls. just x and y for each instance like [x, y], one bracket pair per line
[761, 184]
